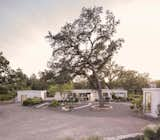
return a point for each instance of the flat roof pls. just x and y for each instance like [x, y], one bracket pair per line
[32, 91]
[151, 89]
[103, 90]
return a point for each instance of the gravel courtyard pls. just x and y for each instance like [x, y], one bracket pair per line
[26, 123]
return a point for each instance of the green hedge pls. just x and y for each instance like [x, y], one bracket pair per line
[132, 97]
[7, 96]
[152, 133]
[55, 103]
[32, 101]
[136, 101]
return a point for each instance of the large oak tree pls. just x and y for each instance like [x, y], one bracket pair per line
[112, 72]
[84, 46]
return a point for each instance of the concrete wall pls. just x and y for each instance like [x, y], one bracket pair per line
[31, 94]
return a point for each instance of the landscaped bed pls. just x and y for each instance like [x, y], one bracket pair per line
[136, 102]
[67, 106]
[7, 98]
[32, 101]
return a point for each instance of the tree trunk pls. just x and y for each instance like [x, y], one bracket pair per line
[101, 101]
[99, 89]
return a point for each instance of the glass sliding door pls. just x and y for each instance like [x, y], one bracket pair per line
[147, 102]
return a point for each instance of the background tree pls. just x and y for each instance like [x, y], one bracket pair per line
[83, 84]
[132, 80]
[17, 80]
[4, 75]
[47, 77]
[10, 80]
[85, 46]
[4, 69]
[36, 84]
[63, 89]
[157, 82]
[52, 89]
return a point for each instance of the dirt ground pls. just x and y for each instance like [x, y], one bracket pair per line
[27, 123]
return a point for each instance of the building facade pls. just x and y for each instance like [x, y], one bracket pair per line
[151, 102]
[90, 94]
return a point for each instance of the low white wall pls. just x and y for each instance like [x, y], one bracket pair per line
[31, 94]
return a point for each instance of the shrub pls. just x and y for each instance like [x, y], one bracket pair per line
[32, 101]
[6, 97]
[136, 101]
[55, 103]
[149, 134]
[158, 133]
[132, 97]
[114, 97]
[132, 107]
[152, 133]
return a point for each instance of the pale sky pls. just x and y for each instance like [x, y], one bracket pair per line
[25, 23]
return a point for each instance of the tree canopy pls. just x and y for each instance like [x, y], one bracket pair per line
[61, 88]
[85, 46]
[4, 68]
[112, 72]
[132, 80]
[157, 82]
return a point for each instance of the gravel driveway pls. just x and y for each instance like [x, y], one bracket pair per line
[26, 123]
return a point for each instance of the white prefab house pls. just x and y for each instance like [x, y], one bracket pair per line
[92, 95]
[151, 100]
[24, 94]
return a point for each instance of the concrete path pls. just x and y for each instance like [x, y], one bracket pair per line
[42, 105]
[83, 106]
